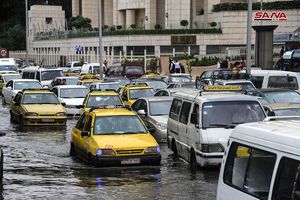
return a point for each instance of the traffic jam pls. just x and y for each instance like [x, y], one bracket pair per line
[244, 129]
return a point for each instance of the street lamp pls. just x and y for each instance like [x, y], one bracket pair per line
[27, 33]
[249, 26]
[100, 37]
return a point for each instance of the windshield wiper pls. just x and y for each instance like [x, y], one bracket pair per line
[227, 126]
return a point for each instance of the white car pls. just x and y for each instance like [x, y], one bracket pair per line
[72, 96]
[105, 86]
[16, 85]
[154, 111]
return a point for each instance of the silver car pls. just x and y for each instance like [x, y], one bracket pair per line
[154, 111]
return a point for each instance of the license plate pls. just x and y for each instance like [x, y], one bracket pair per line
[47, 120]
[131, 161]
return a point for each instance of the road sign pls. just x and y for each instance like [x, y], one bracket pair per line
[3, 53]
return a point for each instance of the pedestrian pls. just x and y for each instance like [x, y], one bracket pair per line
[219, 64]
[282, 51]
[224, 64]
[242, 64]
[171, 66]
[177, 67]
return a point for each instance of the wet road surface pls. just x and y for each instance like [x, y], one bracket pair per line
[37, 166]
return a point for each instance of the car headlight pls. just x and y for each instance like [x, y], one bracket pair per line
[153, 150]
[31, 114]
[212, 148]
[60, 114]
[105, 152]
[161, 126]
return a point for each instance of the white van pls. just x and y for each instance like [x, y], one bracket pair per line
[262, 161]
[200, 123]
[275, 79]
[8, 65]
[92, 68]
[44, 75]
[74, 66]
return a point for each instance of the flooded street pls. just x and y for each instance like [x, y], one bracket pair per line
[37, 166]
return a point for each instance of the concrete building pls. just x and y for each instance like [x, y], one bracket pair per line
[168, 13]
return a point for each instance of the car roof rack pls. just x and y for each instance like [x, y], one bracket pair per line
[110, 107]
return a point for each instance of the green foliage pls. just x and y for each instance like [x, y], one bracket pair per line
[119, 27]
[80, 22]
[184, 23]
[277, 5]
[213, 24]
[157, 27]
[133, 26]
[14, 38]
[205, 61]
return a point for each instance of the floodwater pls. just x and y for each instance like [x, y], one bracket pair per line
[37, 166]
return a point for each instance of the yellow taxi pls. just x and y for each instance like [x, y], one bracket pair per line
[98, 98]
[130, 93]
[87, 80]
[113, 135]
[32, 107]
[4, 78]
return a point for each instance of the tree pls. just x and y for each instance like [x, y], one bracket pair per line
[80, 22]
[119, 27]
[16, 38]
[184, 23]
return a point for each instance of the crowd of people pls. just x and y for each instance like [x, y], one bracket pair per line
[175, 67]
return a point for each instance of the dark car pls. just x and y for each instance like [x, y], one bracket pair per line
[125, 71]
[276, 95]
[208, 76]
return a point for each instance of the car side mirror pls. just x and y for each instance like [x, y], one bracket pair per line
[79, 106]
[141, 112]
[271, 114]
[194, 118]
[63, 103]
[85, 133]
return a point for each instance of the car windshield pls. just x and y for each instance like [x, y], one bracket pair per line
[51, 75]
[20, 85]
[118, 125]
[134, 70]
[159, 107]
[102, 100]
[138, 93]
[73, 92]
[40, 98]
[157, 85]
[178, 79]
[228, 114]
[11, 77]
[246, 86]
[8, 68]
[113, 86]
[282, 97]
[287, 112]
[71, 81]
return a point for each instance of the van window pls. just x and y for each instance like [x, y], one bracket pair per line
[175, 109]
[257, 81]
[289, 82]
[185, 111]
[249, 170]
[25, 75]
[38, 76]
[31, 75]
[287, 183]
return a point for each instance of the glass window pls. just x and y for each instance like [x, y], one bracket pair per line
[287, 183]
[257, 81]
[8, 68]
[73, 92]
[40, 98]
[118, 125]
[80, 123]
[196, 110]
[139, 93]
[51, 75]
[287, 112]
[11, 77]
[175, 109]
[282, 97]
[20, 85]
[228, 114]
[245, 86]
[157, 85]
[158, 108]
[185, 111]
[136, 105]
[289, 82]
[249, 170]
[102, 100]
[87, 126]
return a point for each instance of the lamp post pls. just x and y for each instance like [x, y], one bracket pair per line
[100, 37]
[249, 26]
[27, 33]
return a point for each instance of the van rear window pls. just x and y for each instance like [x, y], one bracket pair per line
[257, 81]
[289, 82]
[249, 170]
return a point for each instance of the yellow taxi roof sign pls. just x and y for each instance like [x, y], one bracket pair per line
[223, 88]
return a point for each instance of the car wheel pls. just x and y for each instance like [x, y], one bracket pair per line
[193, 160]
[72, 150]
[174, 148]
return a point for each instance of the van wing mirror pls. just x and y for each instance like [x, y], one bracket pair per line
[85, 133]
[271, 114]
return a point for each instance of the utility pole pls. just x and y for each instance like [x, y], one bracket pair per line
[249, 26]
[27, 34]
[100, 38]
